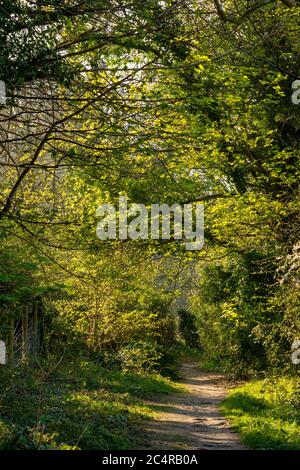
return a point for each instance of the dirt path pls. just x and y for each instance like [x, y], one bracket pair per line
[192, 420]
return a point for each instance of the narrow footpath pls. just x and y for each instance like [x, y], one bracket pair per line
[192, 420]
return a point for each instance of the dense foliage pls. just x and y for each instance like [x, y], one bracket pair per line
[170, 101]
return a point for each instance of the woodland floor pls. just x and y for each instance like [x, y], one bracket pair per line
[191, 419]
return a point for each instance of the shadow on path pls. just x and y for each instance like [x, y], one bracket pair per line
[192, 420]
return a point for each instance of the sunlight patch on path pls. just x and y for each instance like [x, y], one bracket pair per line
[192, 420]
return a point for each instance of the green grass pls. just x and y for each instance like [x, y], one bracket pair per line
[266, 413]
[78, 405]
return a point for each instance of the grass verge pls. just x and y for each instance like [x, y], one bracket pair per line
[266, 413]
[76, 405]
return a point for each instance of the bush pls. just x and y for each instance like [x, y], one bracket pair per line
[142, 356]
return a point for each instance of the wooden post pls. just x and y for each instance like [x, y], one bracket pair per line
[35, 328]
[11, 339]
[25, 315]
